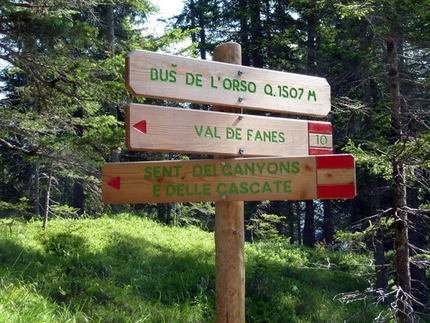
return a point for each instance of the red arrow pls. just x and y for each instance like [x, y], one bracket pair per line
[140, 126]
[115, 182]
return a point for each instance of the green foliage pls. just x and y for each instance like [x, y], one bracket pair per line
[197, 214]
[377, 163]
[130, 269]
[172, 36]
[264, 224]
[358, 240]
[64, 93]
[21, 302]
[297, 284]
[20, 208]
[354, 9]
[264, 227]
[22, 205]
[64, 211]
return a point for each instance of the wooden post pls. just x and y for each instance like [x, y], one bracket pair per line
[229, 232]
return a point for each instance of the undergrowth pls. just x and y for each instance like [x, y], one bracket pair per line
[126, 268]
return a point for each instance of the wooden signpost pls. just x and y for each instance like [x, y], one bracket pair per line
[156, 128]
[239, 179]
[229, 231]
[308, 172]
[162, 76]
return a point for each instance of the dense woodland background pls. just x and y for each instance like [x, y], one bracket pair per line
[63, 99]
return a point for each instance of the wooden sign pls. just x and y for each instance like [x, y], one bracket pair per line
[156, 128]
[249, 179]
[169, 77]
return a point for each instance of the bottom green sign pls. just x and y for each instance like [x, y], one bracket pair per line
[242, 179]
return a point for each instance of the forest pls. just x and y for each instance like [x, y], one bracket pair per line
[62, 117]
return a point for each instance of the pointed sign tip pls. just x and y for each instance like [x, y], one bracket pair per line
[115, 182]
[140, 126]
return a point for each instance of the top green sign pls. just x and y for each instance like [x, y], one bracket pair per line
[178, 78]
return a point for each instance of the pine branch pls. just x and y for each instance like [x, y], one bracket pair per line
[33, 152]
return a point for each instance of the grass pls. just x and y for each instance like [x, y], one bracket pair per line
[130, 269]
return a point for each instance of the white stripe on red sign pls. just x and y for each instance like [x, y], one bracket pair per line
[320, 151]
[341, 166]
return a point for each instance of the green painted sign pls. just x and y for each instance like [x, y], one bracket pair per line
[157, 128]
[170, 77]
[241, 179]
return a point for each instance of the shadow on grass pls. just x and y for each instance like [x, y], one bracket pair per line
[285, 286]
[134, 279]
[129, 279]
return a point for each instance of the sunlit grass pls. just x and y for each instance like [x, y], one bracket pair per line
[126, 268]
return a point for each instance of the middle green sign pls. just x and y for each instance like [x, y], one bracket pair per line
[156, 128]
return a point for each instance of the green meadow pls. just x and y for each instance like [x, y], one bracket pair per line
[126, 268]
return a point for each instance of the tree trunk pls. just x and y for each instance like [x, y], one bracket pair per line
[290, 220]
[192, 8]
[78, 186]
[114, 158]
[110, 29]
[299, 223]
[328, 224]
[78, 196]
[256, 35]
[202, 32]
[164, 213]
[404, 301]
[312, 21]
[244, 32]
[110, 34]
[37, 188]
[309, 229]
[405, 310]
[48, 197]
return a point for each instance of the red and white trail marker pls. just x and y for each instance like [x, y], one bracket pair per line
[320, 138]
[333, 175]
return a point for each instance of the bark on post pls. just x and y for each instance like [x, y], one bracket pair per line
[229, 232]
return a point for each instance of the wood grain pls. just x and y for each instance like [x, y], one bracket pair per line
[169, 77]
[217, 133]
